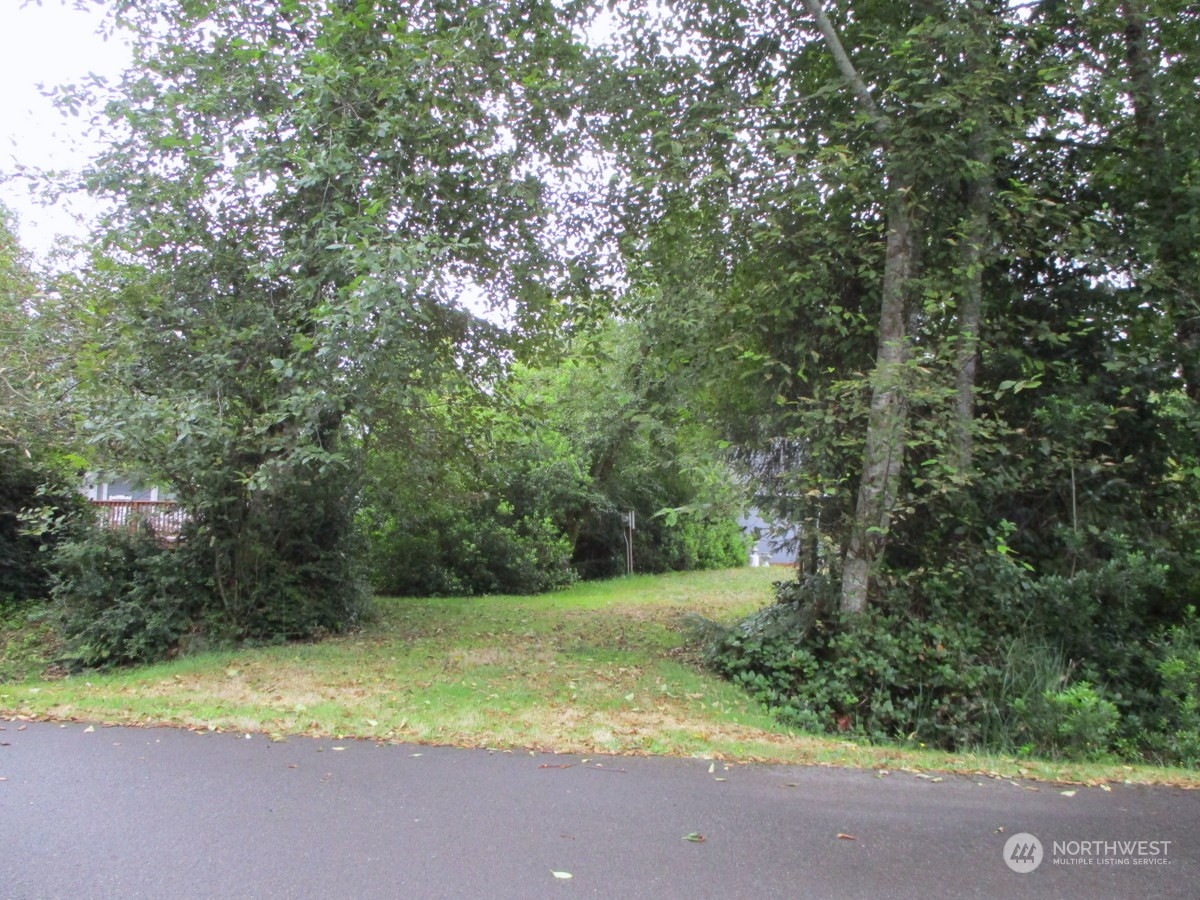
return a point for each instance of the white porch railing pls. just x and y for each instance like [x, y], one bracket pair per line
[165, 518]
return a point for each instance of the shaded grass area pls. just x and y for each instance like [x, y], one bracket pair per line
[28, 643]
[604, 667]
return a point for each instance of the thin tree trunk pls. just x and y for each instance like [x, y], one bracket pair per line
[883, 457]
[970, 313]
[1158, 179]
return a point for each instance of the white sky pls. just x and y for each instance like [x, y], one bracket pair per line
[47, 44]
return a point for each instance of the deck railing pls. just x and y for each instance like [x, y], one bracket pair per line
[165, 518]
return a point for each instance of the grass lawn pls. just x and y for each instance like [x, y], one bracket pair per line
[604, 667]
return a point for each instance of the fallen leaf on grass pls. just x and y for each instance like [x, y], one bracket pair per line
[846, 837]
[695, 837]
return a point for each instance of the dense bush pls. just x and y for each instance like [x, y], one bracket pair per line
[1062, 666]
[886, 676]
[526, 497]
[479, 549]
[1178, 736]
[120, 599]
[37, 509]
[262, 566]
[278, 562]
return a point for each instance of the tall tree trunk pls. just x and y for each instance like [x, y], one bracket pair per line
[883, 457]
[1159, 182]
[973, 252]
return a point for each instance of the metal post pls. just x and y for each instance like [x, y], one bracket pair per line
[628, 518]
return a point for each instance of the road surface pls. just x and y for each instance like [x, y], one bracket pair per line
[94, 812]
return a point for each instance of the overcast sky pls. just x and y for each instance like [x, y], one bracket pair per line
[46, 45]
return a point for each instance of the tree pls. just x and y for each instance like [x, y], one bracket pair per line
[304, 193]
[522, 488]
[1017, 159]
[25, 351]
[807, 144]
[37, 498]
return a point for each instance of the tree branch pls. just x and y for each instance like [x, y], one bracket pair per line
[846, 67]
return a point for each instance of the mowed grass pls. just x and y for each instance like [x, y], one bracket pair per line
[605, 667]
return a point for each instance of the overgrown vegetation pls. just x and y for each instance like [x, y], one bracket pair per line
[601, 667]
[447, 288]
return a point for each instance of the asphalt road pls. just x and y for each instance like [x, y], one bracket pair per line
[160, 813]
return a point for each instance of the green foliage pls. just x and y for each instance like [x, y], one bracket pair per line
[120, 599]
[29, 641]
[523, 489]
[302, 194]
[888, 677]
[441, 538]
[1076, 721]
[37, 510]
[1179, 669]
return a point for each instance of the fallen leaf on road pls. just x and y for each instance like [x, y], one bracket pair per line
[89, 728]
[1067, 793]
[555, 766]
[846, 837]
[695, 837]
[337, 748]
[563, 875]
[293, 766]
[712, 767]
[720, 779]
[1106, 788]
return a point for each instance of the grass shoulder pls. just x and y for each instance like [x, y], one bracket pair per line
[602, 667]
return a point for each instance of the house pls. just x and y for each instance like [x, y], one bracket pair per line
[774, 544]
[121, 489]
[123, 504]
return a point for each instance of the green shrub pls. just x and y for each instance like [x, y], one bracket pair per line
[883, 675]
[37, 509]
[281, 562]
[1075, 722]
[1179, 668]
[29, 642]
[119, 599]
